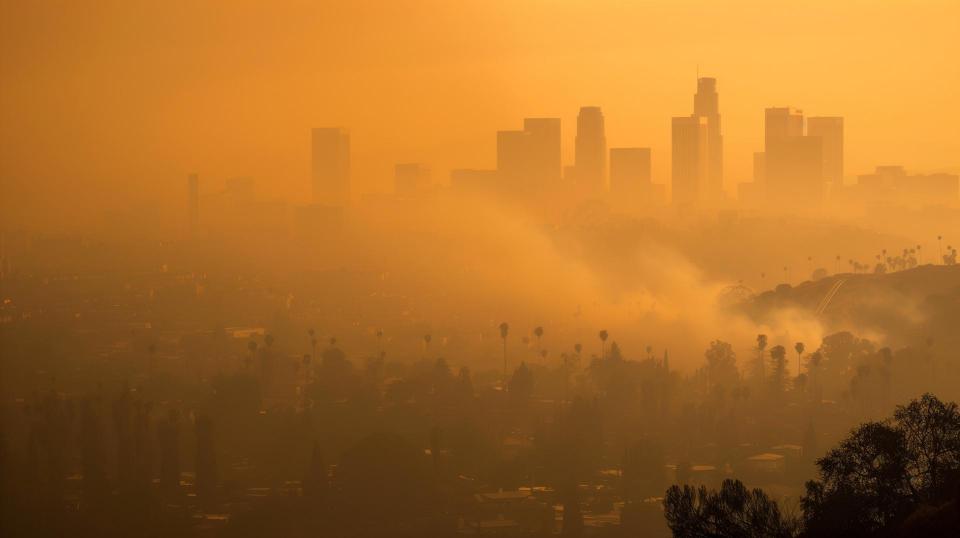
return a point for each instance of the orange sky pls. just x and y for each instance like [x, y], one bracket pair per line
[133, 95]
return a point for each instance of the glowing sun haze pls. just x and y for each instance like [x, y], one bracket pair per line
[133, 95]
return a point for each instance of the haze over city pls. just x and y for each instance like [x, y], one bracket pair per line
[424, 268]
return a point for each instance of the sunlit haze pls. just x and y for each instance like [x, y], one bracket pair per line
[507, 268]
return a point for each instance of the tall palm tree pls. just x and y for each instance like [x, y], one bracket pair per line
[313, 343]
[761, 345]
[799, 347]
[940, 247]
[426, 343]
[538, 332]
[603, 343]
[380, 341]
[504, 330]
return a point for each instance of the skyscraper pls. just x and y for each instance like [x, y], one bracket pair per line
[512, 162]
[193, 203]
[706, 104]
[543, 150]
[331, 166]
[830, 132]
[630, 174]
[793, 162]
[590, 151]
[411, 179]
[690, 159]
[779, 123]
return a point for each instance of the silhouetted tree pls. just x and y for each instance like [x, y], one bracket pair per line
[733, 511]
[603, 343]
[799, 348]
[521, 384]
[778, 373]
[760, 368]
[721, 367]
[884, 471]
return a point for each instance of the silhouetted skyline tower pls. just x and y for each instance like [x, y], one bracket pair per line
[689, 162]
[779, 123]
[830, 132]
[193, 203]
[512, 162]
[543, 150]
[706, 104]
[793, 161]
[411, 179]
[331, 166]
[590, 151]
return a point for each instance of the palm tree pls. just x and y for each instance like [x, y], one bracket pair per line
[799, 347]
[761, 345]
[426, 343]
[538, 332]
[603, 343]
[940, 246]
[504, 330]
[313, 342]
[380, 341]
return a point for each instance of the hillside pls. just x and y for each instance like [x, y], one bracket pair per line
[904, 307]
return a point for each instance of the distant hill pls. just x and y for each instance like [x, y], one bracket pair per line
[905, 306]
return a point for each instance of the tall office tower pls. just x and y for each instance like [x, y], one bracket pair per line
[331, 166]
[781, 122]
[630, 174]
[830, 131]
[193, 203]
[543, 150]
[759, 167]
[706, 104]
[590, 152]
[794, 162]
[512, 162]
[690, 159]
[411, 179]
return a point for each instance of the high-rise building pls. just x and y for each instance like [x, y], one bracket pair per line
[630, 174]
[331, 166]
[590, 151]
[830, 132]
[543, 150]
[512, 161]
[411, 179]
[690, 159]
[781, 122]
[793, 162]
[706, 104]
[193, 203]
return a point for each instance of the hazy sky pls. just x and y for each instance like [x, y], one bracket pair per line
[100, 94]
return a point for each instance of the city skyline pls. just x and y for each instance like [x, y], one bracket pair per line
[484, 69]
